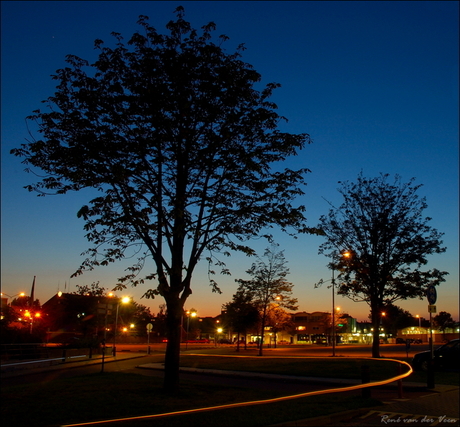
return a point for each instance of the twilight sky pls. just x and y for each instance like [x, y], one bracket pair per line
[374, 83]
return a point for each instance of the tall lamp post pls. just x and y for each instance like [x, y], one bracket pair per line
[30, 316]
[124, 300]
[382, 328]
[193, 314]
[346, 255]
[317, 285]
[21, 294]
[219, 331]
[333, 314]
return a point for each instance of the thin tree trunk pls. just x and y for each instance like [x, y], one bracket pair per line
[376, 332]
[261, 344]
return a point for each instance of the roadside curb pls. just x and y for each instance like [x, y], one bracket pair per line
[7, 372]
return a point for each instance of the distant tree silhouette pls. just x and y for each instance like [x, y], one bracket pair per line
[380, 226]
[241, 314]
[443, 321]
[93, 290]
[278, 320]
[268, 285]
[396, 318]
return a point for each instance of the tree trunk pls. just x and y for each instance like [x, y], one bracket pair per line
[172, 355]
[376, 332]
[262, 335]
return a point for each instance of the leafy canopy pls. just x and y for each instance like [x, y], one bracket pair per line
[381, 227]
[268, 283]
[185, 152]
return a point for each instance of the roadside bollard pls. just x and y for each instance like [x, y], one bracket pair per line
[103, 355]
[430, 374]
[366, 378]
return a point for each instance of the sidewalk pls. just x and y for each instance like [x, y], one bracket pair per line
[439, 407]
[9, 370]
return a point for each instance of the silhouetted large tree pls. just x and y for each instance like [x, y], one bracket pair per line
[381, 226]
[185, 152]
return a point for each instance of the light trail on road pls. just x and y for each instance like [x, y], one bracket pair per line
[256, 402]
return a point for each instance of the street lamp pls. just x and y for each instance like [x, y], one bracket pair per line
[124, 300]
[219, 331]
[382, 328]
[30, 316]
[21, 294]
[419, 321]
[193, 314]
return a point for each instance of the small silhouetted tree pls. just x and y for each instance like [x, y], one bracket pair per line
[184, 151]
[241, 314]
[278, 320]
[396, 318]
[381, 226]
[159, 323]
[137, 314]
[268, 285]
[23, 302]
[93, 290]
[443, 320]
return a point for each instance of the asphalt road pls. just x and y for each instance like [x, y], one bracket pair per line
[157, 351]
[386, 350]
[134, 365]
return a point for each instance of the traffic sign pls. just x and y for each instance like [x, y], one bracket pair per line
[149, 327]
[431, 295]
[431, 309]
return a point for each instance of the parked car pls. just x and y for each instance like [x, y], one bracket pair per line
[408, 340]
[446, 357]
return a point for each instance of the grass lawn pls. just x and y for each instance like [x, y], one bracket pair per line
[116, 394]
[346, 368]
[340, 367]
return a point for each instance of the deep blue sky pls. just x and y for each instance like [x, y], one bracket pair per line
[375, 84]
